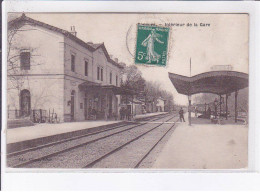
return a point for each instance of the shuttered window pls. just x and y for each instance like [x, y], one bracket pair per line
[86, 68]
[101, 74]
[98, 69]
[73, 63]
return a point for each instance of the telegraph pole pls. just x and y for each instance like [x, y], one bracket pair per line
[189, 98]
[236, 93]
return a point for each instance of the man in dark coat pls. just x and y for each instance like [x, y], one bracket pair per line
[209, 112]
[181, 115]
[128, 114]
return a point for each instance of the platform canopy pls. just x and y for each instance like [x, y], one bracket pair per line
[216, 82]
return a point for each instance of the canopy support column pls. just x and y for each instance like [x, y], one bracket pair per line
[220, 105]
[189, 109]
[106, 106]
[236, 93]
[226, 106]
[132, 116]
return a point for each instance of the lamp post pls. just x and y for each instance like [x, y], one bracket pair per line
[227, 106]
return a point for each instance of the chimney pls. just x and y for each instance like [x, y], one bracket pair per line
[111, 56]
[116, 60]
[122, 64]
[73, 31]
[90, 42]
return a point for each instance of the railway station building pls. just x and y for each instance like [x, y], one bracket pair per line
[52, 70]
[160, 104]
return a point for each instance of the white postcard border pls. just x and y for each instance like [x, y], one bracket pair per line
[133, 180]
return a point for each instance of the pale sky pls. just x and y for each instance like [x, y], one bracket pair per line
[224, 42]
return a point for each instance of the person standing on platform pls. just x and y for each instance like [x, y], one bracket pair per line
[181, 115]
[94, 113]
[106, 114]
[128, 114]
[196, 111]
[209, 113]
[124, 113]
[121, 112]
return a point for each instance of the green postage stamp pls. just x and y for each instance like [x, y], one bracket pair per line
[151, 45]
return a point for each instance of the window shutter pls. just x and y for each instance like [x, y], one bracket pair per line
[25, 60]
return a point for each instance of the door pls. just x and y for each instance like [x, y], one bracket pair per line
[110, 106]
[86, 108]
[72, 106]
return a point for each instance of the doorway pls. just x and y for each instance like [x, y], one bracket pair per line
[25, 103]
[72, 105]
[110, 106]
[86, 108]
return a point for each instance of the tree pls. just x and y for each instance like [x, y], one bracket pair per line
[16, 75]
[133, 79]
[169, 101]
[147, 91]
[17, 54]
[153, 91]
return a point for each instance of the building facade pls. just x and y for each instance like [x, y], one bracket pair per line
[160, 105]
[51, 69]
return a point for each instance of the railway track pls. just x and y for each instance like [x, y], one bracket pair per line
[152, 148]
[8, 155]
[40, 153]
[124, 162]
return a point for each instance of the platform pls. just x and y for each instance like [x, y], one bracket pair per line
[139, 117]
[205, 146]
[48, 129]
[25, 137]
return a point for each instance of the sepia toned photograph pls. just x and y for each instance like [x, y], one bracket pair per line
[127, 91]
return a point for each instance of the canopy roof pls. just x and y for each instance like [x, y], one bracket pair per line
[96, 86]
[216, 82]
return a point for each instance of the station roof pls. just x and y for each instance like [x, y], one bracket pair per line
[18, 22]
[216, 82]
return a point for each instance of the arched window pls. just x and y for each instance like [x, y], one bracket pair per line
[25, 102]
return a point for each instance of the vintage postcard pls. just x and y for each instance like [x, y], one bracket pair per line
[127, 91]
